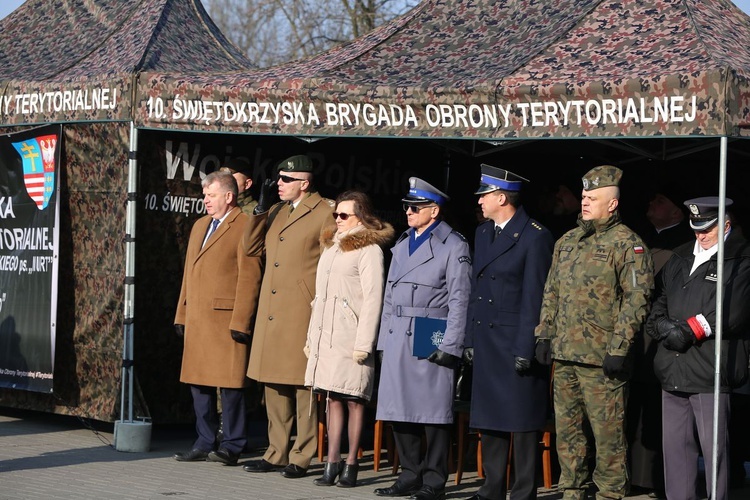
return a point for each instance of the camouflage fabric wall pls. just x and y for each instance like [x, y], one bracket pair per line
[93, 186]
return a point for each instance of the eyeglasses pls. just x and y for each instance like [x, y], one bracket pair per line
[342, 215]
[416, 208]
[286, 179]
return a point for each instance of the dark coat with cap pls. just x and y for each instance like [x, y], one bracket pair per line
[506, 297]
[683, 295]
[434, 281]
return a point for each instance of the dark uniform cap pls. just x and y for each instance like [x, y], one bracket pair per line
[424, 192]
[601, 176]
[704, 212]
[238, 166]
[298, 163]
[494, 178]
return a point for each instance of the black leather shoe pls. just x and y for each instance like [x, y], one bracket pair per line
[348, 478]
[261, 466]
[194, 455]
[428, 493]
[293, 471]
[223, 456]
[398, 490]
[330, 472]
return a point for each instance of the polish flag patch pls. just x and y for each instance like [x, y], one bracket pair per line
[638, 249]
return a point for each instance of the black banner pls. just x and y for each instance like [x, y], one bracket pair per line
[28, 257]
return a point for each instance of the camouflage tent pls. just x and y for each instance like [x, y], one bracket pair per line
[489, 71]
[492, 70]
[79, 61]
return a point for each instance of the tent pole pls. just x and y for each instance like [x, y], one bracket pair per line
[719, 309]
[130, 435]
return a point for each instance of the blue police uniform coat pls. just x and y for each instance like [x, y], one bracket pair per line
[434, 282]
[506, 297]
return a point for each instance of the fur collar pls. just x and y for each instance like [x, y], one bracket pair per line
[359, 239]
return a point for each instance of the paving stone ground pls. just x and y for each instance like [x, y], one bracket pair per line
[45, 456]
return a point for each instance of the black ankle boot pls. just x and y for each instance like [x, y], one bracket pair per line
[330, 472]
[348, 477]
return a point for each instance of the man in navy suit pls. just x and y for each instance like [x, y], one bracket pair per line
[510, 390]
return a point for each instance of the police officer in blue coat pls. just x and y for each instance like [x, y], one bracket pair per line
[512, 255]
[428, 278]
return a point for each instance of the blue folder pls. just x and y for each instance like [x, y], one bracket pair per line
[428, 335]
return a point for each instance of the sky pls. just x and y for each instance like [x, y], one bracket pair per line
[8, 6]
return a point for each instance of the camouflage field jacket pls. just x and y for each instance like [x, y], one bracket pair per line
[597, 292]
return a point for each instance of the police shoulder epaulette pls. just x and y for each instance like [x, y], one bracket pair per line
[463, 238]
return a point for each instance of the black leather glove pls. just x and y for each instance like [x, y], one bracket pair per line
[468, 355]
[522, 364]
[543, 352]
[663, 326]
[179, 330]
[442, 358]
[242, 338]
[613, 365]
[680, 337]
[268, 191]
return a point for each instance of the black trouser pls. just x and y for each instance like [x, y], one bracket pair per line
[432, 469]
[495, 447]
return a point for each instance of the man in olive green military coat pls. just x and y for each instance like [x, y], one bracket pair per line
[276, 355]
[595, 300]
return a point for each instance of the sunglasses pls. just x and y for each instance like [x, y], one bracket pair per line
[341, 215]
[286, 179]
[416, 208]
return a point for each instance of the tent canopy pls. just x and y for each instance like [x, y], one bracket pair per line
[76, 60]
[491, 69]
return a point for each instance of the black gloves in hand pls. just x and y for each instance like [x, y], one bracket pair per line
[443, 358]
[522, 364]
[543, 352]
[468, 355]
[267, 196]
[613, 365]
[680, 337]
[663, 326]
[240, 337]
[179, 330]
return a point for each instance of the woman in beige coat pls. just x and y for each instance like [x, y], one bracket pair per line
[344, 325]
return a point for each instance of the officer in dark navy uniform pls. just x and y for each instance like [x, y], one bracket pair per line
[510, 395]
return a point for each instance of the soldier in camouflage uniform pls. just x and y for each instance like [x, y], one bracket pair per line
[595, 299]
[242, 172]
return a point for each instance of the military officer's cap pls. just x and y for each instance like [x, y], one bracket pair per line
[704, 212]
[297, 163]
[238, 166]
[601, 176]
[423, 192]
[494, 178]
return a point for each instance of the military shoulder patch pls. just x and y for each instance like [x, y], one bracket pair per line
[464, 259]
[638, 249]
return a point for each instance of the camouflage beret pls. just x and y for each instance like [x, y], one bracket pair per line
[601, 176]
[298, 163]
